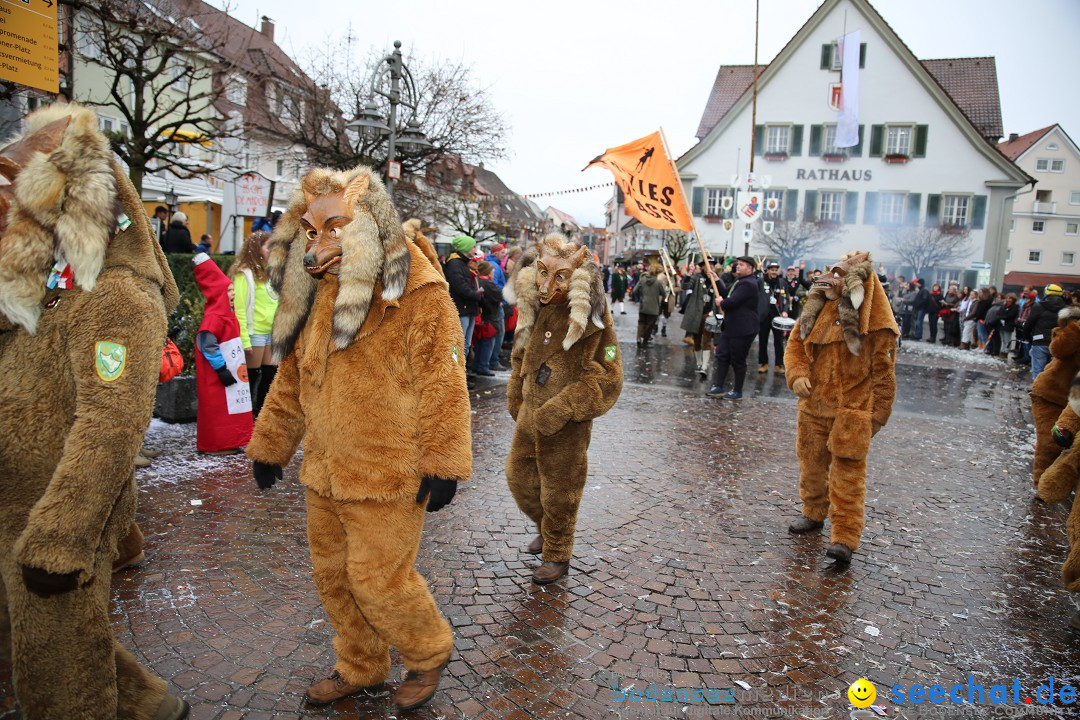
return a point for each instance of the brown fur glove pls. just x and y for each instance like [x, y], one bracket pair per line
[550, 418]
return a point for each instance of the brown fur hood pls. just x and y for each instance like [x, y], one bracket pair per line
[373, 252]
[863, 307]
[414, 230]
[587, 299]
[71, 204]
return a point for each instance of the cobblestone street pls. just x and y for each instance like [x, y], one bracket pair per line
[684, 573]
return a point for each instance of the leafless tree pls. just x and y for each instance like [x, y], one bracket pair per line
[455, 113]
[924, 247]
[677, 243]
[161, 74]
[796, 239]
[469, 218]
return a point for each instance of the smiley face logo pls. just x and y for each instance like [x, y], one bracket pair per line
[862, 693]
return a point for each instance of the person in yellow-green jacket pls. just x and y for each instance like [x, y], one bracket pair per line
[255, 304]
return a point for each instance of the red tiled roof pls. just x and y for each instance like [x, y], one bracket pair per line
[730, 84]
[1013, 149]
[1039, 280]
[971, 83]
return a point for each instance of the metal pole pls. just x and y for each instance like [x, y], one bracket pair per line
[395, 96]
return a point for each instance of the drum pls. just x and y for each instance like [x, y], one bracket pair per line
[714, 323]
[783, 323]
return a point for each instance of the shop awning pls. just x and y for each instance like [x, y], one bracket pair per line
[1020, 279]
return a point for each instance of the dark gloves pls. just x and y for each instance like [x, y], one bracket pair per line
[438, 491]
[46, 584]
[1062, 437]
[226, 377]
[266, 474]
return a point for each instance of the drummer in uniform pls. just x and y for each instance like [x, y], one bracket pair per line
[772, 305]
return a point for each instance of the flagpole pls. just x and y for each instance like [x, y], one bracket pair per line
[690, 214]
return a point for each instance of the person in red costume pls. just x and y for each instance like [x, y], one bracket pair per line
[224, 420]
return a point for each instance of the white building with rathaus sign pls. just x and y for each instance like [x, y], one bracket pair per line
[926, 165]
[1045, 240]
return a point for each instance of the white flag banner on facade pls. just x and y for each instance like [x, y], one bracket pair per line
[847, 124]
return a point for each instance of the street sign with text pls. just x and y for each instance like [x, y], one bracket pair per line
[980, 265]
[29, 54]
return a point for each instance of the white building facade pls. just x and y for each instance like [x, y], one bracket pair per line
[1044, 244]
[922, 160]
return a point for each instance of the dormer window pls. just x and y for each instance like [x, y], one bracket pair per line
[236, 89]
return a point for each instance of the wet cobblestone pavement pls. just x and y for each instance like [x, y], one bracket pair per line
[684, 573]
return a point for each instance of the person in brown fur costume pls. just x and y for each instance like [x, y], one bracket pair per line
[840, 362]
[566, 371]
[414, 230]
[372, 379]
[1060, 479]
[1050, 391]
[84, 294]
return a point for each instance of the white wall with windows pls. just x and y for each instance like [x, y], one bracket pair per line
[917, 160]
[1046, 223]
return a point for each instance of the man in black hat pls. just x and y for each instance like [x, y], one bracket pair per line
[772, 303]
[740, 308]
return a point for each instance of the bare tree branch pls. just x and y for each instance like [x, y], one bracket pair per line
[677, 244]
[163, 84]
[796, 239]
[455, 114]
[924, 247]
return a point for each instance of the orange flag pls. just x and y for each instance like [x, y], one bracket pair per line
[647, 177]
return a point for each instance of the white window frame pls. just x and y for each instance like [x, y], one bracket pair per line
[713, 197]
[1057, 166]
[831, 206]
[779, 195]
[772, 142]
[837, 59]
[107, 123]
[1038, 227]
[898, 148]
[1008, 255]
[828, 141]
[1071, 255]
[1042, 165]
[86, 43]
[236, 89]
[1075, 228]
[181, 81]
[892, 208]
[1038, 257]
[956, 210]
[280, 167]
[1074, 197]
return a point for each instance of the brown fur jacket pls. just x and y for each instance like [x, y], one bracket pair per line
[840, 380]
[78, 367]
[383, 412]
[1054, 382]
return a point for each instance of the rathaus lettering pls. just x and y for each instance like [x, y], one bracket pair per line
[833, 174]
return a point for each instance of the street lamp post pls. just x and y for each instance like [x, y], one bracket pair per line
[392, 80]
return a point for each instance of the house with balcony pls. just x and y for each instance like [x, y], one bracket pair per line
[1044, 236]
[926, 159]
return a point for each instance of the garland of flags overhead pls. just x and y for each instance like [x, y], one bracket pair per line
[552, 193]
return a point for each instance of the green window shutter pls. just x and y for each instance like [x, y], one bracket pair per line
[796, 140]
[920, 140]
[698, 203]
[826, 56]
[857, 150]
[862, 55]
[810, 206]
[978, 215]
[791, 204]
[759, 140]
[933, 210]
[816, 132]
[914, 207]
[870, 210]
[851, 208]
[876, 133]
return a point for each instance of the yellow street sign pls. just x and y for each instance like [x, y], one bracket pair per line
[29, 54]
